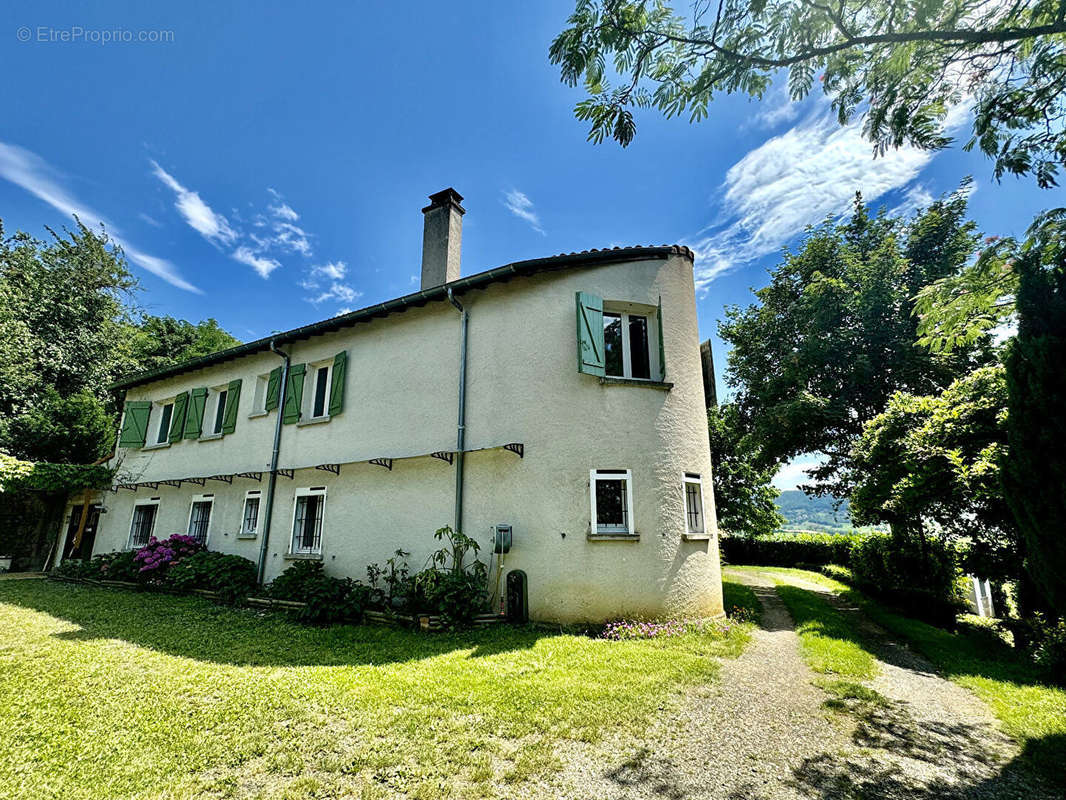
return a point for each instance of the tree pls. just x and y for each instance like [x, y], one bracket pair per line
[832, 336]
[905, 66]
[744, 499]
[932, 464]
[67, 430]
[1034, 476]
[160, 341]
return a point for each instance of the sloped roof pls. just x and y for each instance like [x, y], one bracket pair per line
[585, 258]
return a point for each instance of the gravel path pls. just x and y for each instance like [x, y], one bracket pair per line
[762, 732]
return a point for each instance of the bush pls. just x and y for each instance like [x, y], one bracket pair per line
[328, 599]
[790, 549]
[233, 577]
[118, 566]
[160, 554]
[920, 579]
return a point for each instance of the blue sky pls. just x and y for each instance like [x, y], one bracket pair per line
[267, 165]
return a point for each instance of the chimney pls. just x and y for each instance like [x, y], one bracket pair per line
[442, 238]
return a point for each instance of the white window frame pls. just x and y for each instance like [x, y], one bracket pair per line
[133, 518]
[249, 495]
[309, 396]
[308, 492]
[259, 398]
[626, 475]
[214, 394]
[158, 407]
[650, 313]
[201, 498]
[697, 479]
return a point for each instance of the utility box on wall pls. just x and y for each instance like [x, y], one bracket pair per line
[501, 540]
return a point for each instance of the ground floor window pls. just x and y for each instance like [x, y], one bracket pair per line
[143, 523]
[200, 518]
[693, 484]
[307, 521]
[611, 492]
[250, 523]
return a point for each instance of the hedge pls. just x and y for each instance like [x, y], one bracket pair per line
[790, 549]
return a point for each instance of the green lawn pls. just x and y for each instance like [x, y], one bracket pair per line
[113, 694]
[828, 640]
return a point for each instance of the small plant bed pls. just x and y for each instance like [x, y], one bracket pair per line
[118, 694]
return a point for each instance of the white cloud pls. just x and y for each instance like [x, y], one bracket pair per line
[339, 292]
[208, 223]
[775, 109]
[324, 281]
[291, 237]
[333, 270]
[522, 207]
[261, 264]
[150, 220]
[796, 179]
[284, 211]
[794, 474]
[32, 173]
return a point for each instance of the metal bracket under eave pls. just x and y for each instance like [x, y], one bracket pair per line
[223, 478]
[197, 481]
[334, 468]
[382, 462]
[131, 486]
[149, 485]
[172, 483]
[255, 476]
[444, 455]
[287, 473]
[517, 448]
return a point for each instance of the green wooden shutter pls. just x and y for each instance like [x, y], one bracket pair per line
[294, 394]
[233, 399]
[662, 349]
[273, 389]
[590, 357]
[135, 423]
[336, 389]
[194, 417]
[177, 420]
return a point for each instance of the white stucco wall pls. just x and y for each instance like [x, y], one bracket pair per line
[523, 386]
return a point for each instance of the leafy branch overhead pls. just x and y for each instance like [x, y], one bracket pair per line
[904, 65]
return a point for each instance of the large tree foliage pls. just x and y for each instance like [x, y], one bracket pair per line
[904, 65]
[744, 499]
[68, 330]
[1035, 474]
[932, 464]
[832, 336]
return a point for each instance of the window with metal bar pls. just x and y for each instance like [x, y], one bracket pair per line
[693, 503]
[307, 524]
[199, 520]
[251, 515]
[612, 500]
[143, 523]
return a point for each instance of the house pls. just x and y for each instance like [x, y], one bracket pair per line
[560, 396]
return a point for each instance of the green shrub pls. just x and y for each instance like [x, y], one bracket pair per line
[233, 577]
[918, 578]
[328, 599]
[837, 573]
[119, 566]
[790, 549]
[73, 569]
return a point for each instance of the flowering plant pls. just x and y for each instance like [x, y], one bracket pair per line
[628, 629]
[159, 554]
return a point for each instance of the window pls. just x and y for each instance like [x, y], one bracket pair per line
[143, 523]
[250, 522]
[611, 491]
[200, 517]
[259, 399]
[627, 345]
[166, 412]
[693, 484]
[307, 521]
[318, 400]
[220, 411]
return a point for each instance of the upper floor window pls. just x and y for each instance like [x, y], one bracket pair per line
[166, 413]
[694, 522]
[218, 410]
[619, 339]
[316, 396]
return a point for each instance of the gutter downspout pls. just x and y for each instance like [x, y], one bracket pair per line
[272, 481]
[460, 443]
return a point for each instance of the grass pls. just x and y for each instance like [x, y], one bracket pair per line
[740, 601]
[827, 639]
[114, 694]
[1029, 709]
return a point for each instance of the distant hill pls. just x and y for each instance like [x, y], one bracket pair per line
[804, 512]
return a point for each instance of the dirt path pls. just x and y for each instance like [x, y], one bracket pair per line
[762, 731]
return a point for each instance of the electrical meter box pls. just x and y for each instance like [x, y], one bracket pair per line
[502, 539]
